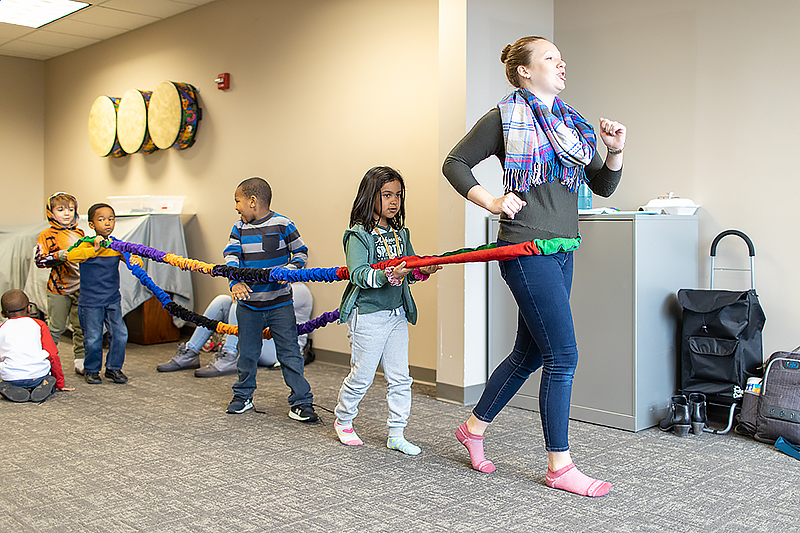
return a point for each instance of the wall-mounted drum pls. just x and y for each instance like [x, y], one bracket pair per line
[173, 115]
[103, 127]
[132, 122]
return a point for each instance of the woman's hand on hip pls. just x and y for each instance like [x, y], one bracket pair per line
[509, 203]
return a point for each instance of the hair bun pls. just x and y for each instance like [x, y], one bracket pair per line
[504, 53]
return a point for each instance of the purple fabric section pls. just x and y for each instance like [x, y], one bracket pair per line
[138, 249]
[322, 320]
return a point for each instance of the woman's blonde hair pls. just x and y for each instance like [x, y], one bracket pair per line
[514, 55]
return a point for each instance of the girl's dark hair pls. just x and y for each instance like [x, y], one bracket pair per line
[94, 208]
[514, 55]
[369, 190]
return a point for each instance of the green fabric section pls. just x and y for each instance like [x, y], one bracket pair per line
[81, 240]
[554, 246]
[464, 250]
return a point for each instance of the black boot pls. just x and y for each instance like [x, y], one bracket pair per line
[678, 420]
[697, 412]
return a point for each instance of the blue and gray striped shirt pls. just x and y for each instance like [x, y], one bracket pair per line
[272, 241]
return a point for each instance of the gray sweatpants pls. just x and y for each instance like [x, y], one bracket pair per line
[378, 338]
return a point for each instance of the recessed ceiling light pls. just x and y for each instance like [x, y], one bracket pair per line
[36, 13]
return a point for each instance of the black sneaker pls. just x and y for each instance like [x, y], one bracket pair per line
[116, 376]
[12, 393]
[303, 413]
[43, 391]
[239, 406]
[92, 378]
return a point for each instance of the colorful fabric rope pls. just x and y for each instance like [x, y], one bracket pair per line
[480, 254]
[134, 265]
[488, 252]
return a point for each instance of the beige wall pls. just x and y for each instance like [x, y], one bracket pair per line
[708, 91]
[21, 140]
[320, 92]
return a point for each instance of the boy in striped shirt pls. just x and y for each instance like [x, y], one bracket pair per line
[265, 239]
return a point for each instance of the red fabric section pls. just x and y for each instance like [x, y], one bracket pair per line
[500, 253]
[50, 347]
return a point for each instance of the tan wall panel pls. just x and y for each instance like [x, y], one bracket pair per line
[22, 140]
[320, 92]
[708, 91]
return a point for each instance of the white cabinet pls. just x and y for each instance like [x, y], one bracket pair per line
[628, 269]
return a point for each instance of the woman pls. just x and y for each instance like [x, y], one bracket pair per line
[547, 150]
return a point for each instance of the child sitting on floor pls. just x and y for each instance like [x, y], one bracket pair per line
[29, 364]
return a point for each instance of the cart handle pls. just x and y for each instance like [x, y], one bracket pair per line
[750, 248]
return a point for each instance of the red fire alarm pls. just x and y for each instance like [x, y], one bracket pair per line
[223, 81]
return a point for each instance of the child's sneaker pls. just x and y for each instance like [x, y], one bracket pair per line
[224, 364]
[12, 393]
[239, 405]
[79, 366]
[184, 359]
[303, 413]
[44, 390]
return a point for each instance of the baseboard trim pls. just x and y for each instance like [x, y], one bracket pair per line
[460, 395]
[418, 373]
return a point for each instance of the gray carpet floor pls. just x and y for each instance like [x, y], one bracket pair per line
[159, 454]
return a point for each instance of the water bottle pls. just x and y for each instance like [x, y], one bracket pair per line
[584, 196]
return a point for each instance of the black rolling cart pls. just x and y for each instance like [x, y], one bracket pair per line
[721, 338]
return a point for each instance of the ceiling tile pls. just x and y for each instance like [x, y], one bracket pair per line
[58, 39]
[194, 2]
[84, 29]
[23, 54]
[111, 17]
[102, 20]
[46, 50]
[9, 32]
[154, 8]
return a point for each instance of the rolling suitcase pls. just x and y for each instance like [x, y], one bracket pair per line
[721, 337]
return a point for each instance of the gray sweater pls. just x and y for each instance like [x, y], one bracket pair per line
[551, 210]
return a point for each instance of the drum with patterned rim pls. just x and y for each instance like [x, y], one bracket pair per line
[103, 127]
[173, 115]
[132, 122]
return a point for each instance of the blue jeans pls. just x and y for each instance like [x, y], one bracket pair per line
[223, 309]
[26, 383]
[92, 320]
[541, 286]
[281, 321]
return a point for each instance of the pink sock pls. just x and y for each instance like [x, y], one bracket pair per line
[571, 479]
[474, 444]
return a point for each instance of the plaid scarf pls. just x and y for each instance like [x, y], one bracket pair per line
[543, 146]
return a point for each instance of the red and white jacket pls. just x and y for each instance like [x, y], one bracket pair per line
[27, 351]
